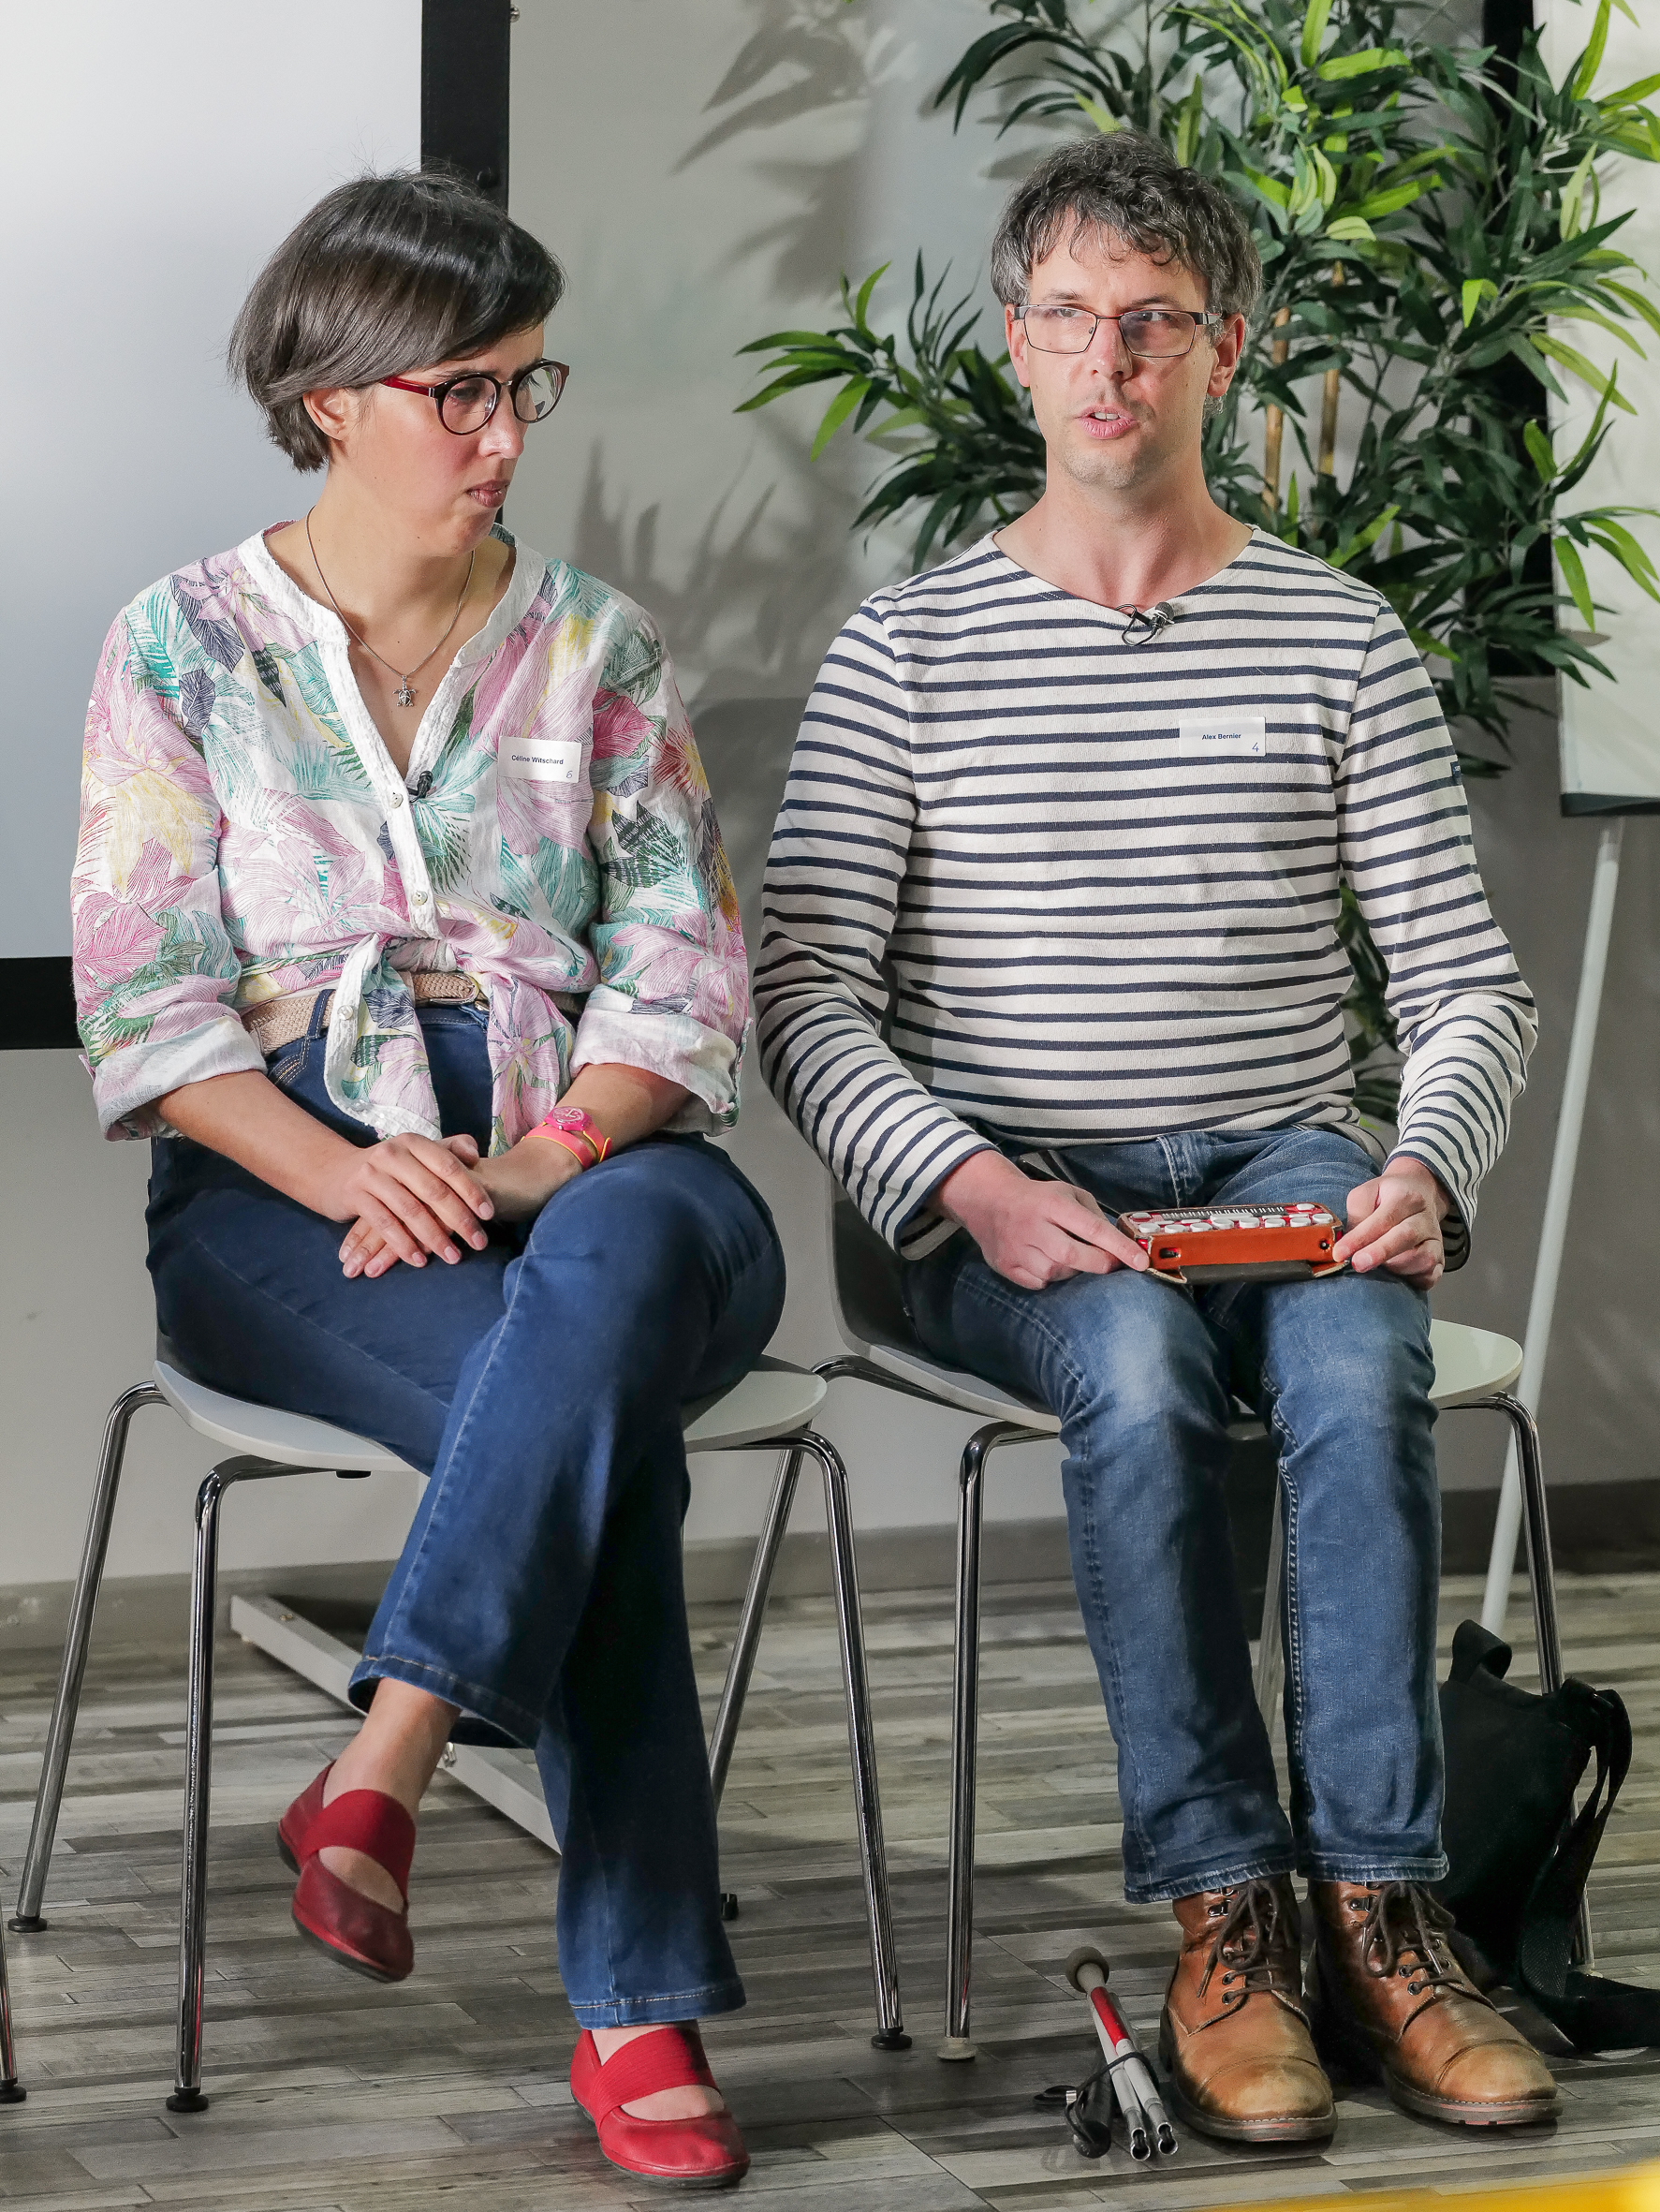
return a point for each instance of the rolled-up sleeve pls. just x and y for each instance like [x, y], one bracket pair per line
[156, 970]
[673, 991]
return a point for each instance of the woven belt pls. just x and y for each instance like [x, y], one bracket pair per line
[280, 1021]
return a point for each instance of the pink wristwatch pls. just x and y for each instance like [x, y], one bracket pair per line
[575, 1129]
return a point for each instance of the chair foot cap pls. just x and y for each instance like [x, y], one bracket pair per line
[12, 2092]
[957, 2047]
[187, 2101]
[890, 2039]
[27, 1924]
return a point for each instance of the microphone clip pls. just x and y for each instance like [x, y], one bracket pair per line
[1144, 623]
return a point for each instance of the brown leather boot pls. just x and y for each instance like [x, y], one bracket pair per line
[1234, 2035]
[1389, 1998]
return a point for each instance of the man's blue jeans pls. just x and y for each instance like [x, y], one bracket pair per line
[539, 1384]
[1141, 1374]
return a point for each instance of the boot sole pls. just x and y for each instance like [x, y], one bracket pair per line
[1288, 2128]
[1523, 2113]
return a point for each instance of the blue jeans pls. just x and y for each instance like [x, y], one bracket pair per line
[538, 1384]
[1141, 1374]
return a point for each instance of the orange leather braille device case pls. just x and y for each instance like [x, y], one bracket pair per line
[1219, 1243]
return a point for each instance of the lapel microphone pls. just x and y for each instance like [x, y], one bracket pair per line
[1144, 623]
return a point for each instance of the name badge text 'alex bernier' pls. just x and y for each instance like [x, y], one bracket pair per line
[1225, 737]
[541, 759]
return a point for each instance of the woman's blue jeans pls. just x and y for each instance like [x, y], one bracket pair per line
[538, 1384]
[1141, 1374]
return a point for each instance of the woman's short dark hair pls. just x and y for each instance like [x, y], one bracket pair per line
[385, 273]
[1135, 188]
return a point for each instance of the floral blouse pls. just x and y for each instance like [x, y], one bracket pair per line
[243, 833]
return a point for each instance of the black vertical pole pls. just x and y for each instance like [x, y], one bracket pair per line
[465, 50]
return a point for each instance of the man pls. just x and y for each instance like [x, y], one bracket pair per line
[1051, 934]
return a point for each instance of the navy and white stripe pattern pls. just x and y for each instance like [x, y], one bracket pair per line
[1039, 881]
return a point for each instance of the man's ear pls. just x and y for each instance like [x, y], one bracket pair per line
[1225, 360]
[1014, 337]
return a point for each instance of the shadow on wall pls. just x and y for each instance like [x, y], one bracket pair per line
[804, 59]
[754, 590]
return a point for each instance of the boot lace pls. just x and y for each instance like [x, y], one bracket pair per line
[1406, 1934]
[1243, 1946]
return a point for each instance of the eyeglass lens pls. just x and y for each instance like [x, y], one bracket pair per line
[469, 405]
[1154, 333]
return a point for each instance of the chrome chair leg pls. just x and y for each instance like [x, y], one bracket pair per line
[965, 1692]
[742, 1664]
[198, 1753]
[11, 2089]
[861, 1744]
[1541, 1583]
[48, 1798]
[890, 2033]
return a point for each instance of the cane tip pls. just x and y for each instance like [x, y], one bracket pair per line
[1086, 1955]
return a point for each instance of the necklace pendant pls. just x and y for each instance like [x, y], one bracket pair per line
[405, 697]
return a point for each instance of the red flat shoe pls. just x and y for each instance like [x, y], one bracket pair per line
[369, 1938]
[704, 2153]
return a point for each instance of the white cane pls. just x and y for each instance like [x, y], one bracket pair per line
[1132, 2079]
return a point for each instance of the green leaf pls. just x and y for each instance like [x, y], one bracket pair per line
[1103, 118]
[1276, 194]
[1368, 537]
[1573, 198]
[1629, 94]
[1635, 301]
[1539, 447]
[1475, 289]
[1573, 571]
[838, 412]
[865, 290]
[1553, 349]
[1352, 230]
[1313, 30]
[1365, 62]
[1585, 69]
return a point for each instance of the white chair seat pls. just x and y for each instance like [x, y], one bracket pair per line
[1469, 1363]
[772, 1400]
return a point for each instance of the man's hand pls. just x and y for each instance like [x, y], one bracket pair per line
[1395, 1223]
[1032, 1232]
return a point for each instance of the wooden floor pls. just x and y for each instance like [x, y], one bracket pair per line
[332, 2095]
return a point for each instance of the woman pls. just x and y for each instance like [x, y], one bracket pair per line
[401, 905]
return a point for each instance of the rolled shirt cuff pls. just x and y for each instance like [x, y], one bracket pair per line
[615, 1030]
[1460, 1212]
[126, 1084]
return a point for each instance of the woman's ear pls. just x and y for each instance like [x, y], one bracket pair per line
[333, 410]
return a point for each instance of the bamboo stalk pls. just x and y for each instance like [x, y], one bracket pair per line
[1333, 386]
[1274, 424]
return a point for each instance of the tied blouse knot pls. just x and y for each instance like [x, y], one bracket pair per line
[244, 834]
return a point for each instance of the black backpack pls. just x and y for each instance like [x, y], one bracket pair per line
[1518, 1855]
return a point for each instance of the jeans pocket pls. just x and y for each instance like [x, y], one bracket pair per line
[286, 1065]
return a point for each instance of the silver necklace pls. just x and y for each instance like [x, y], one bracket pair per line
[405, 697]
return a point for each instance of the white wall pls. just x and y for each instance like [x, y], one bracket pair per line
[153, 156]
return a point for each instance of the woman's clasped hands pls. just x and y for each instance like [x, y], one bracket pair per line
[415, 1195]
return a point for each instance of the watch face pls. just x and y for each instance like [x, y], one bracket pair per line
[568, 1118]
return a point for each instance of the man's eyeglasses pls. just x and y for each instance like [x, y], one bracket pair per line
[1151, 333]
[465, 404]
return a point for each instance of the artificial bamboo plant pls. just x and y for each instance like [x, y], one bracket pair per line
[1417, 207]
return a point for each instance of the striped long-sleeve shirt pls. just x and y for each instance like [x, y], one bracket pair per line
[1040, 879]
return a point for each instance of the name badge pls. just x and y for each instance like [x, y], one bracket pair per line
[1229, 737]
[541, 760]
